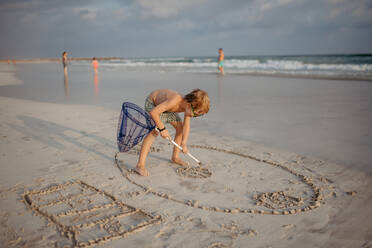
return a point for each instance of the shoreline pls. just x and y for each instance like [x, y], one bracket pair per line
[39, 60]
[258, 74]
[314, 77]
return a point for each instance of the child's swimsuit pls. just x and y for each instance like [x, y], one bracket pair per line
[221, 63]
[166, 117]
[64, 61]
[95, 64]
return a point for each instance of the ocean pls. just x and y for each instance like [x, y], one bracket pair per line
[353, 66]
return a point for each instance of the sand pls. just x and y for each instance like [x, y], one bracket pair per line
[64, 184]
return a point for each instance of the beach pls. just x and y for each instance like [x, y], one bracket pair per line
[286, 162]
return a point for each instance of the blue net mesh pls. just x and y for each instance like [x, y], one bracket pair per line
[134, 124]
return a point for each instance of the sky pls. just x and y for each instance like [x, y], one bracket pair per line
[148, 28]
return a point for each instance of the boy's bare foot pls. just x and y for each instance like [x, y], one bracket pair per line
[180, 162]
[142, 171]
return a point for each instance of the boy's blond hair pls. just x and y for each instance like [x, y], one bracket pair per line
[199, 100]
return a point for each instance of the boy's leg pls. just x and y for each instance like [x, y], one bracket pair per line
[177, 138]
[220, 68]
[145, 148]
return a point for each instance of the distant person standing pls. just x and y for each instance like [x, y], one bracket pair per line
[65, 75]
[220, 62]
[64, 61]
[95, 65]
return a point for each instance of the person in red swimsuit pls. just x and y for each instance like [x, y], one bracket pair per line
[95, 65]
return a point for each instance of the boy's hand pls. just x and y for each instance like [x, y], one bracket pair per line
[165, 134]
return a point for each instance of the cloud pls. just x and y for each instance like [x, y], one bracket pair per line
[352, 11]
[30, 18]
[163, 27]
[15, 6]
[270, 4]
[165, 8]
[86, 13]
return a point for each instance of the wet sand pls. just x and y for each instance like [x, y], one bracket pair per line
[312, 117]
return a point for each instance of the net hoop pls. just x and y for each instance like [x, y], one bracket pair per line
[134, 125]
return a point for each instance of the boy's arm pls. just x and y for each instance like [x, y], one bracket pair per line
[185, 132]
[186, 129]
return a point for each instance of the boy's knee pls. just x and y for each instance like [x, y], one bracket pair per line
[177, 126]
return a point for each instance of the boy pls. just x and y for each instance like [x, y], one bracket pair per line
[64, 62]
[164, 106]
[220, 62]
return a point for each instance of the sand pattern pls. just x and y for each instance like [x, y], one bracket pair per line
[217, 245]
[86, 215]
[277, 200]
[194, 172]
[279, 203]
[137, 149]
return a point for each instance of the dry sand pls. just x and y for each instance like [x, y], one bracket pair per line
[61, 186]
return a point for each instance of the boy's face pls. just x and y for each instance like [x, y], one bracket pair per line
[196, 112]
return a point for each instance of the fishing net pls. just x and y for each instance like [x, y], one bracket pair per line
[134, 125]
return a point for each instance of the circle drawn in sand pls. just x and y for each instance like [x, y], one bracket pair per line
[277, 203]
[194, 172]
